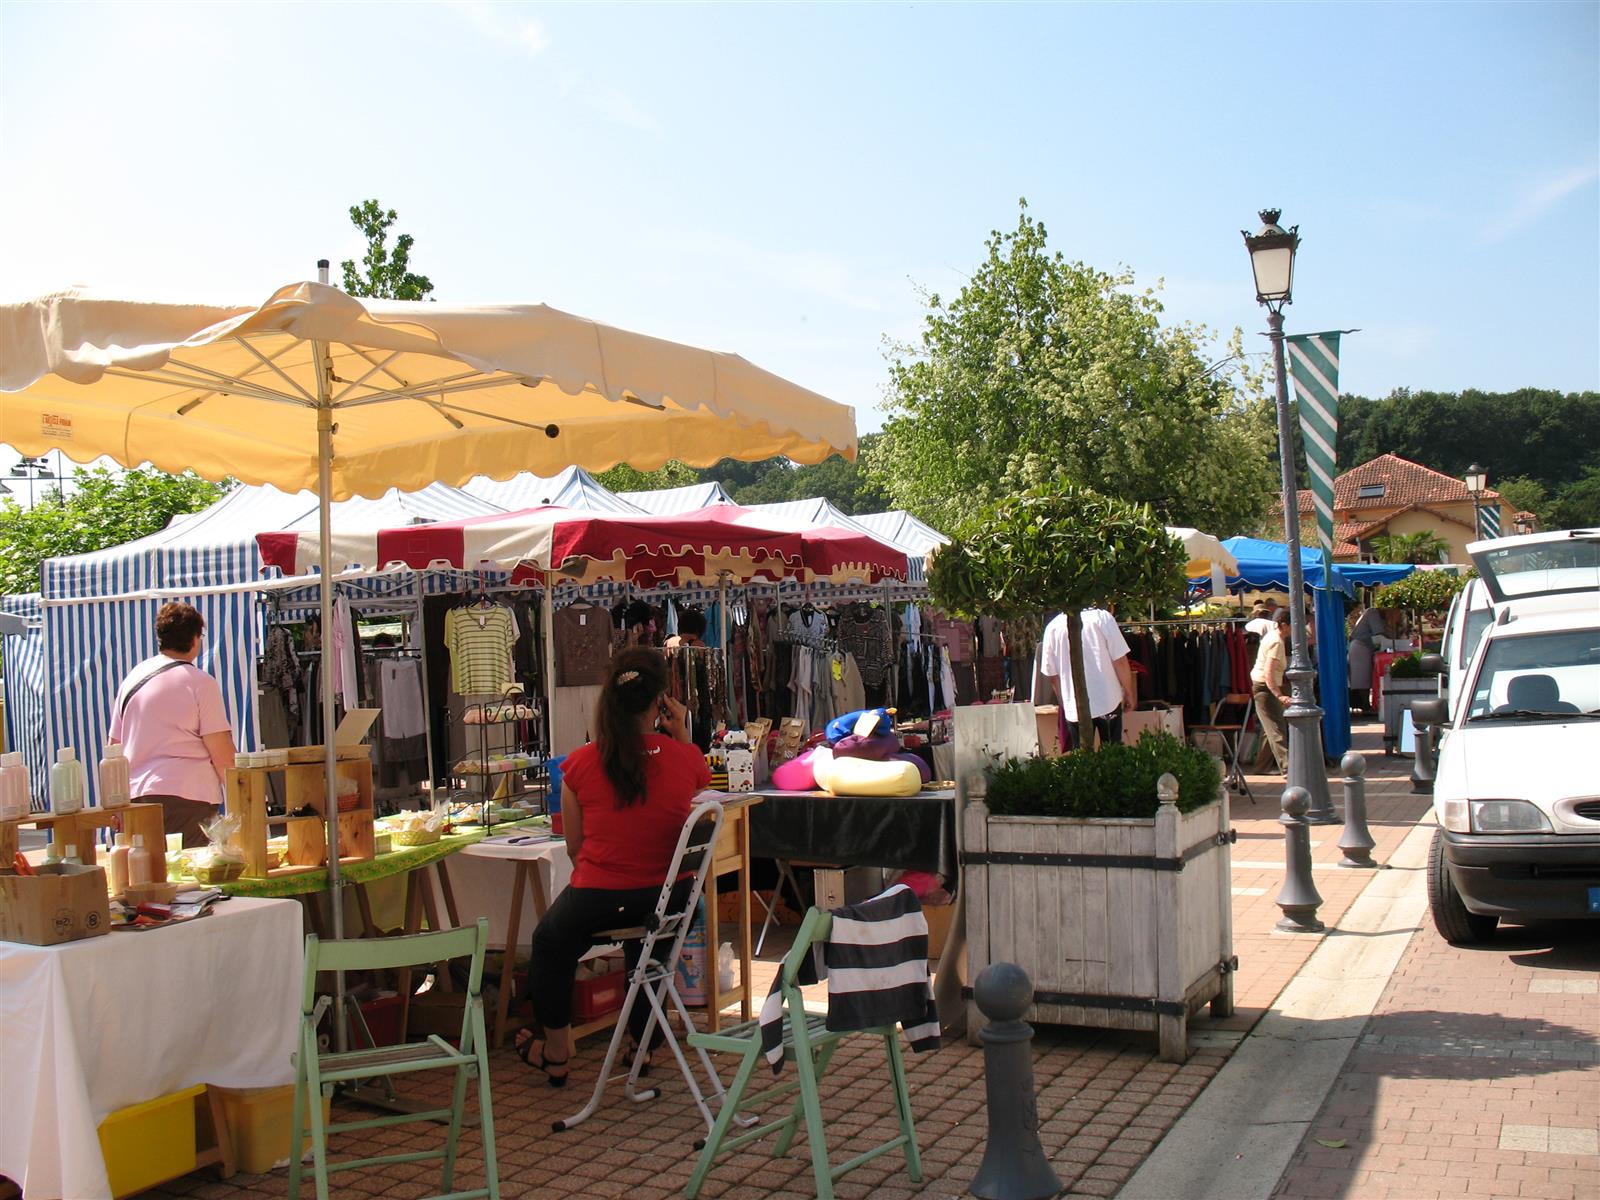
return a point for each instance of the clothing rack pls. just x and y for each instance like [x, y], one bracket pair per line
[810, 641]
[1188, 622]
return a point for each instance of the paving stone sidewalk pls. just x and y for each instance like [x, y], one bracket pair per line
[1104, 1099]
[1478, 1075]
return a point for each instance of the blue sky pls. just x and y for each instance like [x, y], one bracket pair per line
[781, 180]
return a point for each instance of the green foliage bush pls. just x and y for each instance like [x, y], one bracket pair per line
[1115, 781]
[1423, 591]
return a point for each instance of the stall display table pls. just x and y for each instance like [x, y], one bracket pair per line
[509, 865]
[542, 868]
[93, 1026]
[912, 833]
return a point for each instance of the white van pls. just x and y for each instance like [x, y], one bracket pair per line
[1530, 573]
[1517, 795]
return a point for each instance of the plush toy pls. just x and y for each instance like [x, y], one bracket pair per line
[879, 746]
[865, 777]
[917, 761]
[797, 775]
[843, 727]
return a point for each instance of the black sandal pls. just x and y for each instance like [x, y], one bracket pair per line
[525, 1053]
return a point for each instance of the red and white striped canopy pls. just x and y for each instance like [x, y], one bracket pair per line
[722, 541]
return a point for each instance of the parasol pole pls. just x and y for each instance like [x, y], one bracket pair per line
[549, 669]
[724, 632]
[330, 752]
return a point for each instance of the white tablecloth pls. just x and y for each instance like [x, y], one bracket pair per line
[481, 876]
[93, 1026]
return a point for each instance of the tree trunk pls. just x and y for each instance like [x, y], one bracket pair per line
[1080, 690]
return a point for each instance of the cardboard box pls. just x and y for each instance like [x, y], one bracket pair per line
[59, 904]
[1135, 723]
[1049, 731]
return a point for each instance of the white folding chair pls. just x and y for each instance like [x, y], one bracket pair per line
[653, 977]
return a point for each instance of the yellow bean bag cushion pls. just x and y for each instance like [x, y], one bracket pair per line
[865, 777]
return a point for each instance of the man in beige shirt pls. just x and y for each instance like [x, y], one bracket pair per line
[1270, 690]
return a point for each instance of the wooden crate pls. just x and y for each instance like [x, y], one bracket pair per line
[304, 784]
[79, 829]
[1120, 924]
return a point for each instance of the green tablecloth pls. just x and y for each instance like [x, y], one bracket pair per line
[396, 862]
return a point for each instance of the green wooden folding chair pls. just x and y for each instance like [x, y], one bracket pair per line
[809, 1045]
[316, 1073]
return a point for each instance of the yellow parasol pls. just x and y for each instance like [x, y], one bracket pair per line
[317, 389]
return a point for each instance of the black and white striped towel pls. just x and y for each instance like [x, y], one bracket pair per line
[876, 965]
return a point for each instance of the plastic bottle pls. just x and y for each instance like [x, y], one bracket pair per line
[67, 783]
[70, 857]
[119, 864]
[15, 799]
[141, 863]
[114, 777]
[52, 853]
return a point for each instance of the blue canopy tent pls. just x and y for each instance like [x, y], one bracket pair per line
[1264, 565]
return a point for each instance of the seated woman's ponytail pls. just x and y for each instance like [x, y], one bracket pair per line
[635, 684]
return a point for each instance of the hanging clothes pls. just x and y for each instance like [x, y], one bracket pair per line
[480, 638]
[864, 631]
[345, 679]
[280, 669]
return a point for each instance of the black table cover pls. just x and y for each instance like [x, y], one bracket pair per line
[913, 833]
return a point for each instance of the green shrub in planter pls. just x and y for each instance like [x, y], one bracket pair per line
[1115, 781]
[1409, 667]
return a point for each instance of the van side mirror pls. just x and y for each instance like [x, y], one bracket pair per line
[1430, 712]
[1434, 664]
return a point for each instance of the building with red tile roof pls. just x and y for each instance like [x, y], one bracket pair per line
[1393, 496]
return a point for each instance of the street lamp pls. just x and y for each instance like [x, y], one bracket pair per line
[1477, 481]
[1272, 252]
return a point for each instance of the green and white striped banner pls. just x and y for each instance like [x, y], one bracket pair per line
[1314, 367]
[1488, 522]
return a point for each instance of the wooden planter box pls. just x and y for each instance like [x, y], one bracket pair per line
[1120, 924]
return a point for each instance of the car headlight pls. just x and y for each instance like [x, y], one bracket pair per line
[1454, 816]
[1507, 816]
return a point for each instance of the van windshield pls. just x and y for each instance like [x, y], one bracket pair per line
[1541, 568]
[1539, 675]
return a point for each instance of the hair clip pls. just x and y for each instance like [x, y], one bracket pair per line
[627, 677]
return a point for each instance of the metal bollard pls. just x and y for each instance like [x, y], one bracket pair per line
[1422, 773]
[1014, 1164]
[1298, 899]
[1356, 842]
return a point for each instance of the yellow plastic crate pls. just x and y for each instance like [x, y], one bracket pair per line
[260, 1122]
[150, 1143]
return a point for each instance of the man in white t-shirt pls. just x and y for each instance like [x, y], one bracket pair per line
[1107, 673]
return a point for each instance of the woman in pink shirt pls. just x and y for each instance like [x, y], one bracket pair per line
[170, 719]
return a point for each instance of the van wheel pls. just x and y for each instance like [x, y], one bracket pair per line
[1450, 916]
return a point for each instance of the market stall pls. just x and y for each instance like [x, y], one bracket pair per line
[1264, 565]
[91, 1027]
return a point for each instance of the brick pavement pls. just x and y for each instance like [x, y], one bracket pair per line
[1478, 1075]
[1104, 1100]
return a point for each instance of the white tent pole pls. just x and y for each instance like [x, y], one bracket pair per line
[330, 752]
[550, 662]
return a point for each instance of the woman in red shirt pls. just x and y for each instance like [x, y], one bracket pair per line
[625, 798]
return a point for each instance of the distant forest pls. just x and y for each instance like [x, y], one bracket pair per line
[1541, 449]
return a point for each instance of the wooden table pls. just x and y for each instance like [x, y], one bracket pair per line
[732, 857]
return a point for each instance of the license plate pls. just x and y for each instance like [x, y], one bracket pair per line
[1594, 899]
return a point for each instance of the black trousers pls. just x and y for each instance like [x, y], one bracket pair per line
[567, 933]
[1109, 727]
